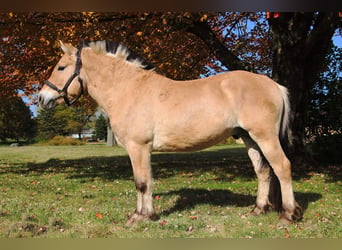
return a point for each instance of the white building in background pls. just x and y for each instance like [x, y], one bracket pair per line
[86, 133]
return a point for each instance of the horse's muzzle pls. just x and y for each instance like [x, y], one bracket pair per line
[47, 100]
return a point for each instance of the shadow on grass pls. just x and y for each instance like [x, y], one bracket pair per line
[191, 197]
[223, 163]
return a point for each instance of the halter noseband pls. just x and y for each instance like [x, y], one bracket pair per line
[64, 91]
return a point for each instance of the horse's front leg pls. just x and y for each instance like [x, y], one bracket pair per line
[140, 156]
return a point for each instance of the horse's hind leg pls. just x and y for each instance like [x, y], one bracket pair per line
[141, 163]
[263, 171]
[273, 152]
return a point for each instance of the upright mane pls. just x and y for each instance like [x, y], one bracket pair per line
[120, 51]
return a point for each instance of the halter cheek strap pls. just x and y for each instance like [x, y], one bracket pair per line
[64, 91]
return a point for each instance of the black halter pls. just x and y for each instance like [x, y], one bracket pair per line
[64, 91]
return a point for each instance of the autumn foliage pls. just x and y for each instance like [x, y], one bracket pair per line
[29, 42]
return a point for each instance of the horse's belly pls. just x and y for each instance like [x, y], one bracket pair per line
[188, 140]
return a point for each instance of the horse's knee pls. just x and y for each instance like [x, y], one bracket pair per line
[141, 186]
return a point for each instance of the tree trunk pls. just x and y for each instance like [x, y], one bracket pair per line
[110, 137]
[300, 42]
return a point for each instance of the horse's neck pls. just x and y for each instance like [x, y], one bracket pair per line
[111, 87]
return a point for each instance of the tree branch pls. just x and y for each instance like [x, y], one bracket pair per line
[203, 31]
[193, 23]
[326, 23]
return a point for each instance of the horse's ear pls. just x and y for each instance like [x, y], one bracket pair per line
[68, 48]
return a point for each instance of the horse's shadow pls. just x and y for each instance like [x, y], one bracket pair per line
[189, 198]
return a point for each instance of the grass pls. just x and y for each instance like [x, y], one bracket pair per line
[88, 191]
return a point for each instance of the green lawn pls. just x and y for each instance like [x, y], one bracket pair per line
[88, 191]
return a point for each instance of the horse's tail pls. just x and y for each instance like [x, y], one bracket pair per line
[285, 117]
[284, 136]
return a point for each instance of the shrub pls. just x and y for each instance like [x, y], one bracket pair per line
[61, 140]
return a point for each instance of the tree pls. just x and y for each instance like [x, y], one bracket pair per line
[16, 120]
[324, 116]
[101, 124]
[300, 42]
[52, 122]
[62, 121]
[78, 118]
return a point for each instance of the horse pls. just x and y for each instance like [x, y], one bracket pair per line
[149, 112]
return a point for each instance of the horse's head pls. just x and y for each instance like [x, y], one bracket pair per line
[65, 83]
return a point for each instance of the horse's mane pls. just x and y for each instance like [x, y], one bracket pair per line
[120, 51]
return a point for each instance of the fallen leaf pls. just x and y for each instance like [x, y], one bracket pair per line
[162, 223]
[325, 219]
[98, 215]
[287, 234]
[243, 216]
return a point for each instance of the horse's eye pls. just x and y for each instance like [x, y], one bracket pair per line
[61, 68]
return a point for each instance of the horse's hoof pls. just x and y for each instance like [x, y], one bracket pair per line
[288, 217]
[136, 217]
[259, 210]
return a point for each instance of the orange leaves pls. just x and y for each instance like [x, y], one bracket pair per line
[187, 14]
[44, 40]
[272, 14]
[89, 13]
[98, 215]
[204, 18]
[68, 31]
[15, 72]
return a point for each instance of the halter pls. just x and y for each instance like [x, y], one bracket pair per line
[64, 91]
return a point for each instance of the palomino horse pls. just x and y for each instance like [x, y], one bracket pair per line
[150, 112]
